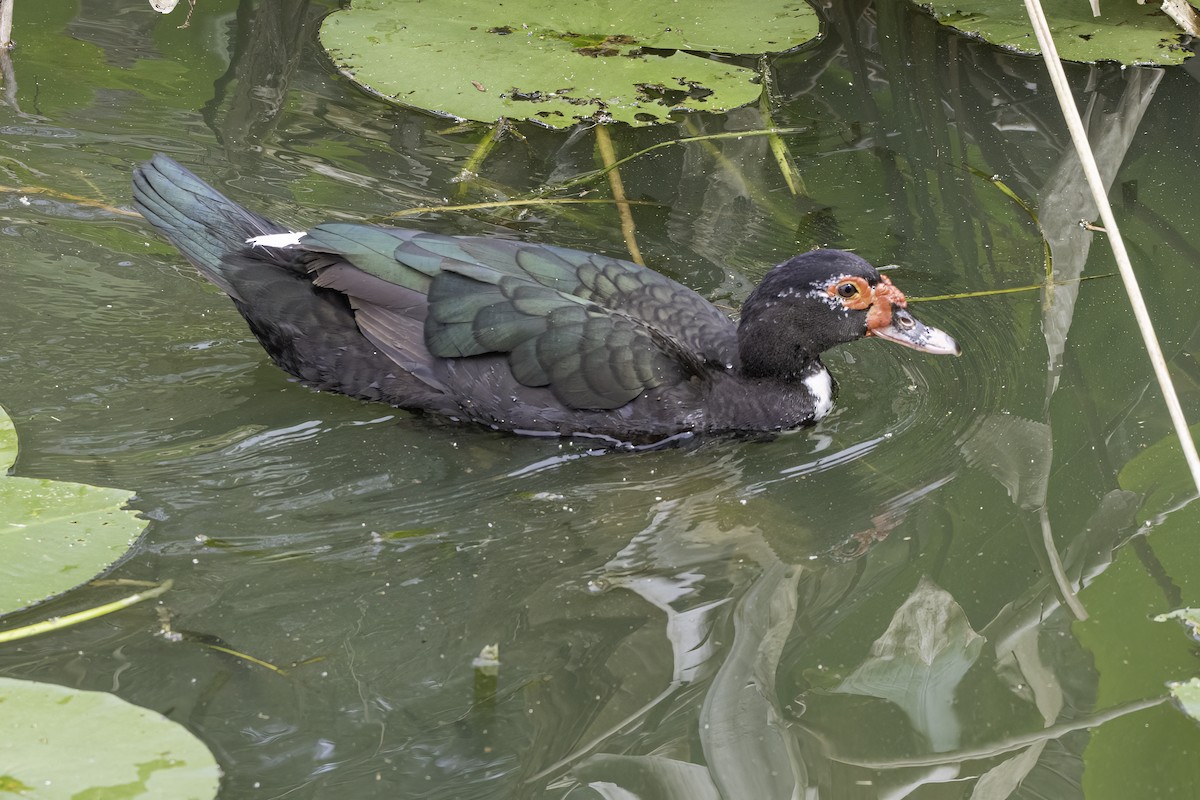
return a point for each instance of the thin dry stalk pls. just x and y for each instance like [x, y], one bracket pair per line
[609, 156]
[1087, 159]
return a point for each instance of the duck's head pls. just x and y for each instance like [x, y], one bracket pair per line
[819, 299]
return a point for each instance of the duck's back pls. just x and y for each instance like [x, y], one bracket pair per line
[530, 337]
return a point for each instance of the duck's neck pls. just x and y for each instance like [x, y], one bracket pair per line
[811, 378]
[777, 349]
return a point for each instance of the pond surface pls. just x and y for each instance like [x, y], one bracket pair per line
[865, 609]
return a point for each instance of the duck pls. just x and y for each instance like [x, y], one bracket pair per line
[524, 337]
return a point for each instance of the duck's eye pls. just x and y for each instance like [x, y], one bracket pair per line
[847, 289]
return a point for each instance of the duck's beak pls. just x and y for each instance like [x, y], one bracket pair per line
[903, 328]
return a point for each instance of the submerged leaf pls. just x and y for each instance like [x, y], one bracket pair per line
[1015, 451]
[647, 776]
[747, 747]
[1001, 781]
[560, 62]
[919, 662]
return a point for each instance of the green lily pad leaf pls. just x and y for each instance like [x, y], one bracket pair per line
[1188, 616]
[1126, 32]
[1187, 696]
[55, 535]
[66, 743]
[1160, 473]
[556, 62]
[1186, 693]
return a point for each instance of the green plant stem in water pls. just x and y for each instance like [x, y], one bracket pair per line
[482, 150]
[541, 201]
[988, 292]
[245, 657]
[597, 174]
[1026, 207]
[58, 623]
[779, 149]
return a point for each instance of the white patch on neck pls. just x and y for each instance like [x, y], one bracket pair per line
[277, 239]
[821, 386]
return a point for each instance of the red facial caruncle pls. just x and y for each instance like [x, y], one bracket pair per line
[855, 293]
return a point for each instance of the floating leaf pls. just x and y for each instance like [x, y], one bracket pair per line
[53, 534]
[560, 62]
[1127, 32]
[57, 742]
[1187, 695]
[1160, 472]
[1188, 616]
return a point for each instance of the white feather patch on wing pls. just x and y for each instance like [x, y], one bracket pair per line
[290, 239]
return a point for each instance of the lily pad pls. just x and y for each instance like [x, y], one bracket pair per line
[1160, 473]
[1187, 696]
[1125, 31]
[55, 535]
[556, 63]
[64, 743]
[1188, 616]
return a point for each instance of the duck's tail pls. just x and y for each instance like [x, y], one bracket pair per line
[308, 330]
[206, 226]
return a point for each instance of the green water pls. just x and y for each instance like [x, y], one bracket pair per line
[694, 622]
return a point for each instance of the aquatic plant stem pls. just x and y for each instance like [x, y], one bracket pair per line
[6, 9]
[779, 149]
[470, 170]
[70, 198]
[245, 657]
[1088, 161]
[596, 174]
[1033, 287]
[1002, 747]
[1065, 590]
[1007, 191]
[58, 623]
[608, 155]
[544, 201]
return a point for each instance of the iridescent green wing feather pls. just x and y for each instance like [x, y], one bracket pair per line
[597, 331]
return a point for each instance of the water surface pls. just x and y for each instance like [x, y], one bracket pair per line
[859, 610]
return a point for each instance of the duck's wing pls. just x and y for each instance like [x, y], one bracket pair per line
[596, 330]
